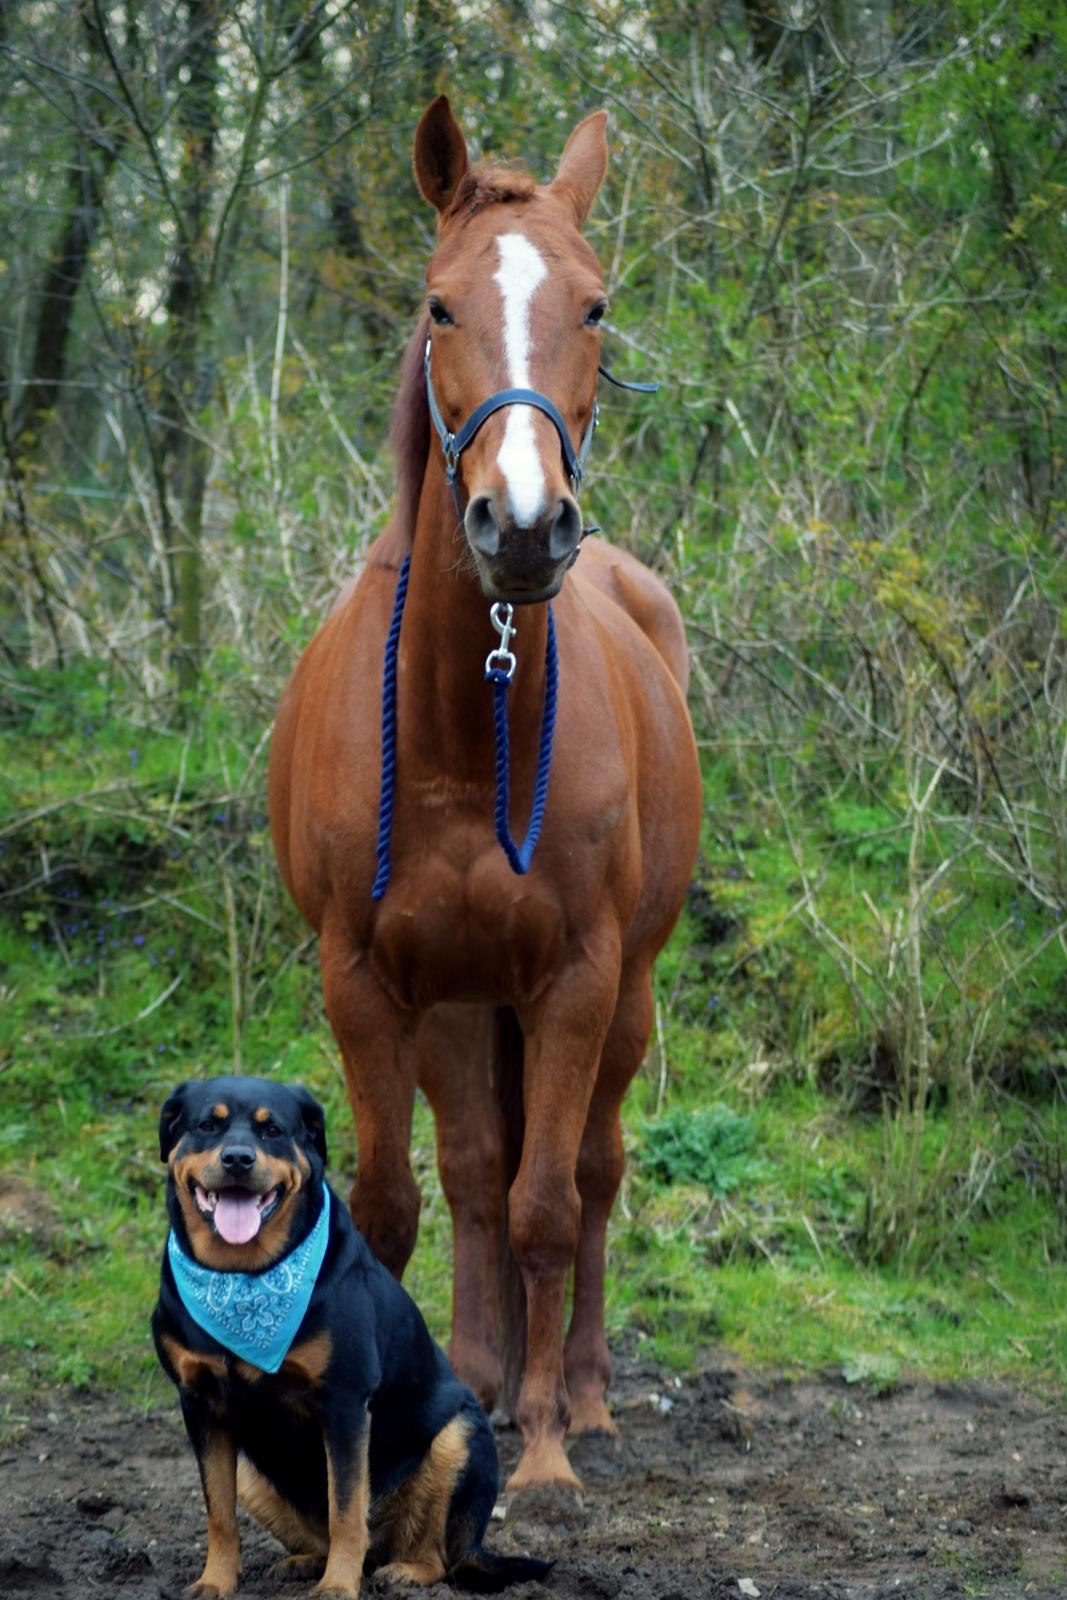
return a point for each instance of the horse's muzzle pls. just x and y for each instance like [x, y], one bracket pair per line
[522, 564]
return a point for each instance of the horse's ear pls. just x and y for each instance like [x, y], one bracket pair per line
[583, 165]
[440, 153]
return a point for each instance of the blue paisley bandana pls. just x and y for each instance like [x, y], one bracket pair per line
[253, 1314]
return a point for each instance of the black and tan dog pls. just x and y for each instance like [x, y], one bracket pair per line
[309, 1383]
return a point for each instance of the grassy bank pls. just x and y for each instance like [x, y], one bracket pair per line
[791, 1195]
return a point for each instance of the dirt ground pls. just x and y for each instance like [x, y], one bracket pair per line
[724, 1486]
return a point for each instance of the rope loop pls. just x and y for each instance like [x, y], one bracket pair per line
[520, 856]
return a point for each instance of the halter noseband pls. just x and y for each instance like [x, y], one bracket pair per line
[454, 444]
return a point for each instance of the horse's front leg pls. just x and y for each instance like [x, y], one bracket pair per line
[376, 1039]
[564, 1036]
[454, 1051]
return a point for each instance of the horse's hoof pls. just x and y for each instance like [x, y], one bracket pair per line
[544, 1464]
[544, 1494]
[591, 1416]
[597, 1453]
[537, 1509]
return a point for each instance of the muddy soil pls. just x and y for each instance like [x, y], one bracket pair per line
[724, 1486]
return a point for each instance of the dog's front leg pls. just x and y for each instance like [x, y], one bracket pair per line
[216, 1456]
[346, 1436]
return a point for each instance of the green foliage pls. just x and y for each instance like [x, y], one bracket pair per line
[712, 1146]
[840, 245]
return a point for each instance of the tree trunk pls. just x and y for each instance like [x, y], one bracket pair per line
[189, 382]
[86, 182]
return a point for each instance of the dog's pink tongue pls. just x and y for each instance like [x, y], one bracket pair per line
[237, 1216]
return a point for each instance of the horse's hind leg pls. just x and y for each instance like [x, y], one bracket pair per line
[600, 1167]
[453, 1052]
[377, 1047]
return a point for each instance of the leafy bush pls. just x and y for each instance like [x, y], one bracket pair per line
[712, 1147]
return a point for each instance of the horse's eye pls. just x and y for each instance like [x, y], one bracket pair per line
[595, 315]
[439, 314]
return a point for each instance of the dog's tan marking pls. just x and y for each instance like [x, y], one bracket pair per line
[298, 1533]
[261, 1114]
[218, 1474]
[416, 1514]
[220, 1111]
[348, 1525]
[192, 1366]
[424, 1573]
[309, 1360]
[247, 1372]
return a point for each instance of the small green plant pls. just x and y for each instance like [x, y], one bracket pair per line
[711, 1146]
[877, 1371]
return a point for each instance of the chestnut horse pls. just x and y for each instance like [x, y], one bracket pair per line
[520, 1004]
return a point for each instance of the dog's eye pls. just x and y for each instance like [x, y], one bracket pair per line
[439, 313]
[273, 1131]
[207, 1126]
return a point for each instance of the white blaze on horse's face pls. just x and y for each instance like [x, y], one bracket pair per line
[521, 271]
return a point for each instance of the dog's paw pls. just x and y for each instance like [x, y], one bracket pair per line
[421, 1574]
[337, 1588]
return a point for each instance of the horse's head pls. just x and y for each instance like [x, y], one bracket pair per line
[515, 298]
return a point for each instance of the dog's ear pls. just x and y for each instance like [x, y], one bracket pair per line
[314, 1119]
[170, 1121]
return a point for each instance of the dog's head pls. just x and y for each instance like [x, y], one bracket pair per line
[246, 1161]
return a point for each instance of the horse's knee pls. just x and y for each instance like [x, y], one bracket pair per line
[544, 1222]
[387, 1215]
[601, 1164]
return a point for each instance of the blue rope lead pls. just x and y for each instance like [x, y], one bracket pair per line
[388, 787]
[520, 856]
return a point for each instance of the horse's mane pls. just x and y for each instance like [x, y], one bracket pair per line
[409, 433]
[409, 436]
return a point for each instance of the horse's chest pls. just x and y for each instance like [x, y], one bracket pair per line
[466, 932]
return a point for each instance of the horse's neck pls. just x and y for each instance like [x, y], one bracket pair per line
[446, 637]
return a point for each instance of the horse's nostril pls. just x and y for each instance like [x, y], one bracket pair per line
[566, 529]
[481, 525]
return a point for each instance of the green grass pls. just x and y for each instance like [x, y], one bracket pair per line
[774, 1273]
[754, 1131]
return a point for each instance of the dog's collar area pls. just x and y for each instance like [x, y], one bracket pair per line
[253, 1315]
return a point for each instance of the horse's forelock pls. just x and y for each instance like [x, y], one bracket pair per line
[488, 186]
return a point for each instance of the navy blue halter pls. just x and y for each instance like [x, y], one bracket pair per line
[453, 445]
